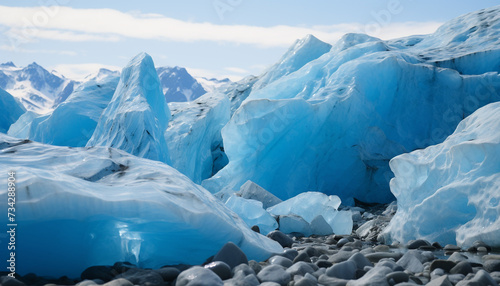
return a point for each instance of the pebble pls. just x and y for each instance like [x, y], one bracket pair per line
[441, 281]
[281, 238]
[168, 273]
[417, 243]
[343, 270]
[220, 268]
[119, 282]
[491, 265]
[451, 247]
[231, 254]
[142, 277]
[274, 273]
[199, 276]
[462, 267]
[446, 265]
[300, 268]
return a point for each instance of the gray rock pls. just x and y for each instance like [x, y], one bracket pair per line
[377, 256]
[375, 277]
[455, 278]
[281, 238]
[280, 260]
[220, 268]
[331, 281]
[274, 273]
[119, 282]
[168, 273]
[481, 278]
[104, 273]
[441, 281]
[340, 256]
[491, 265]
[382, 248]
[457, 257]
[303, 256]
[241, 280]
[343, 270]
[244, 268]
[306, 281]
[323, 263]
[87, 283]
[451, 247]
[255, 266]
[300, 268]
[290, 253]
[319, 226]
[142, 277]
[418, 243]
[10, 281]
[463, 267]
[446, 265]
[391, 264]
[269, 284]
[231, 255]
[342, 241]
[199, 276]
[360, 260]
[398, 277]
[411, 262]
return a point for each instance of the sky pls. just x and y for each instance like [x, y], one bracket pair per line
[211, 38]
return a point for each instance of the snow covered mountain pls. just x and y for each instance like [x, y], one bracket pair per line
[333, 124]
[212, 84]
[178, 85]
[38, 89]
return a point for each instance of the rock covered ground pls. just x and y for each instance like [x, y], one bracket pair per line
[361, 258]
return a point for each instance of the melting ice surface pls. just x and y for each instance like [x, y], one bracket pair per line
[457, 181]
[80, 207]
[333, 124]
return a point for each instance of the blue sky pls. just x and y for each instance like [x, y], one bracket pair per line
[213, 38]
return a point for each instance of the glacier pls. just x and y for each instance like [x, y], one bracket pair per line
[72, 122]
[252, 213]
[457, 181]
[10, 109]
[194, 136]
[312, 207]
[137, 116]
[333, 124]
[80, 207]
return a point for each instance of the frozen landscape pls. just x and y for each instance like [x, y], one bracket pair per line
[358, 162]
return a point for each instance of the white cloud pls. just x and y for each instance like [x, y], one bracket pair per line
[28, 51]
[70, 24]
[80, 71]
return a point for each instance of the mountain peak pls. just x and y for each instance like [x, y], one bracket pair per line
[8, 64]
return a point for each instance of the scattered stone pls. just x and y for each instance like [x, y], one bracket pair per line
[274, 273]
[300, 268]
[231, 254]
[375, 277]
[331, 281]
[303, 256]
[199, 276]
[437, 245]
[281, 238]
[462, 267]
[343, 270]
[452, 247]
[220, 268]
[10, 281]
[457, 257]
[119, 282]
[411, 262]
[415, 244]
[104, 273]
[342, 242]
[360, 260]
[323, 263]
[481, 278]
[491, 265]
[256, 267]
[382, 248]
[377, 256]
[168, 273]
[398, 277]
[256, 228]
[446, 265]
[340, 256]
[441, 281]
[142, 277]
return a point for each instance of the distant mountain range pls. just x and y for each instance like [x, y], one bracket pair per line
[41, 91]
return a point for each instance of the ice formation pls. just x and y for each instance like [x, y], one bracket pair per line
[251, 190]
[10, 110]
[333, 124]
[81, 207]
[253, 213]
[309, 206]
[457, 182]
[73, 122]
[137, 116]
[194, 136]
